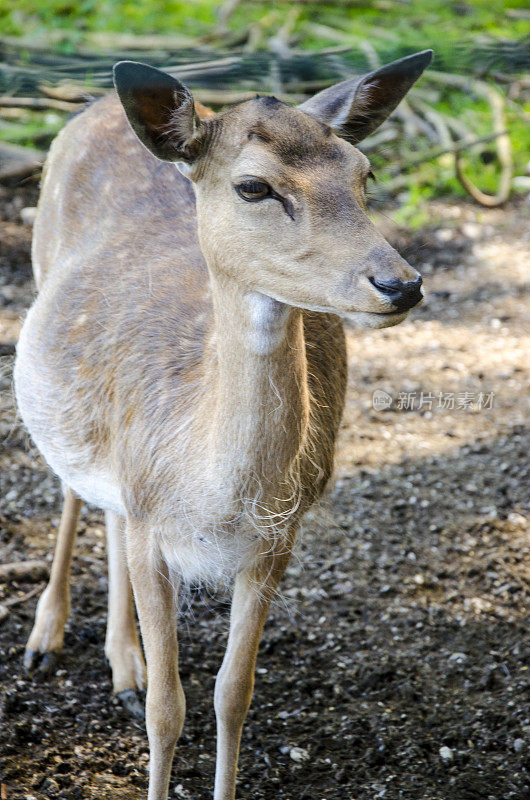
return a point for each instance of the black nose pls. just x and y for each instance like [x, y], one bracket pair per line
[402, 295]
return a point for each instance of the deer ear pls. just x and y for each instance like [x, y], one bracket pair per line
[160, 110]
[356, 107]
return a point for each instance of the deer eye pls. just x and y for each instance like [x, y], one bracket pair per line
[253, 190]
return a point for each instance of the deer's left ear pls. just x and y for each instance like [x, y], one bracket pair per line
[356, 107]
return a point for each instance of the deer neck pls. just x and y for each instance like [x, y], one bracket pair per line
[261, 404]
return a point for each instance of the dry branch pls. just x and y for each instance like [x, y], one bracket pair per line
[16, 601]
[128, 41]
[224, 13]
[70, 92]
[222, 97]
[17, 163]
[504, 145]
[37, 103]
[436, 120]
[18, 173]
[436, 152]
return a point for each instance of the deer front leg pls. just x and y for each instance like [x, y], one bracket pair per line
[157, 611]
[122, 646]
[253, 592]
[46, 639]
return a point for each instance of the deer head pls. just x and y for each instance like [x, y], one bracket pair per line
[281, 190]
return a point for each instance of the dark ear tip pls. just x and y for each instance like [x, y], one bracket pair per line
[420, 60]
[128, 72]
[123, 67]
[408, 66]
[120, 65]
[426, 56]
[131, 74]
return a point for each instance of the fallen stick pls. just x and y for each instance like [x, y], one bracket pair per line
[18, 163]
[502, 138]
[436, 152]
[16, 174]
[37, 103]
[222, 97]
[127, 41]
[70, 92]
[224, 12]
[24, 570]
[13, 152]
[16, 601]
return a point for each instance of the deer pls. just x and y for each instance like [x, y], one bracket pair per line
[183, 366]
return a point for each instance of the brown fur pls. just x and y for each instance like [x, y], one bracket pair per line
[184, 364]
[161, 335]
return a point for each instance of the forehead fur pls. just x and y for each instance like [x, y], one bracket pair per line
[295, 138]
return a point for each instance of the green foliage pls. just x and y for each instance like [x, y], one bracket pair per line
[31, 129]
[26, 17]
[391, 27]
[412, 23]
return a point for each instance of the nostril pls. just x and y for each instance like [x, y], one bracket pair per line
[395, 285]
[386, 287]
[403, 295]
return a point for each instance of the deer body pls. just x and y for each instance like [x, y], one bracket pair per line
[192, 385]
[143, 338]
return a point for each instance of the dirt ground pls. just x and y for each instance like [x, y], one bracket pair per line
[396, 663]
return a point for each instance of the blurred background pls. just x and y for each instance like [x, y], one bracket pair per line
[396, 663]
[474, 100]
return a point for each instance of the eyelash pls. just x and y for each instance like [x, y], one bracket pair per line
[249, 186]
[253, 187]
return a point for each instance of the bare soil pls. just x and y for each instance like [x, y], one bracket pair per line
[396, 662]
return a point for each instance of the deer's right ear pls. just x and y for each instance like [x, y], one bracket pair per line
[160, 110]
[355, 108]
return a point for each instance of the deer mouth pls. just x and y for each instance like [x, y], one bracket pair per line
[391, 314]
[400, 312]
[376, 319]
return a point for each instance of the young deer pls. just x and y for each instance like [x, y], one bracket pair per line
[192, 386]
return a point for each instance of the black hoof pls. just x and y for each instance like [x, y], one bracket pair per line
[133, 704]
[48, 664]
[31, 659]
[41, 665]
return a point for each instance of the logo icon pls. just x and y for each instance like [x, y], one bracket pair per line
[381, 400]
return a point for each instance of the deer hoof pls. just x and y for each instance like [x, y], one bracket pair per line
[133, 703]
[41, 665]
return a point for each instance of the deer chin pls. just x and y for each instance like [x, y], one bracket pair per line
[367, 319]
